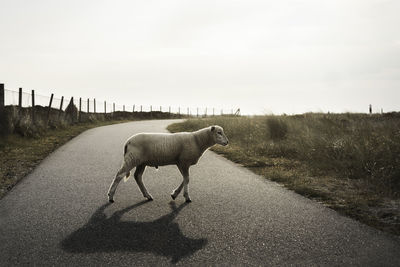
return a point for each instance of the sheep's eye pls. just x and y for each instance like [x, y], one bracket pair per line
[219, 133]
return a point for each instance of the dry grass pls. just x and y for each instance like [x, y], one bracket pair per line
[349, 162]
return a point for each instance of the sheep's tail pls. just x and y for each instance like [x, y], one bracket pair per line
[126, 178]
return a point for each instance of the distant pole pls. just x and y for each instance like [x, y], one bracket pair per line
[205, 114]
[197, 112]
[188, 111]
[105, 107]
[80, 109]
[2, 113]
[61, 105]
[1, 97]
[94, 105]
[20, 97]
[179, 111]
[33, 106]
[213, 112]
[48, 109]
[151, 108]
[123, 107]
[113, 107]
[169, 109]
[141, 108]
[160, 109]
[133, 109]
[88, 105]
[370, 109]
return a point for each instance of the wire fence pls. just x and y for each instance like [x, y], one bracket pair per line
[28, 99]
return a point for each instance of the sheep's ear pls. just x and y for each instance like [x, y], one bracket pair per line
[212, 128]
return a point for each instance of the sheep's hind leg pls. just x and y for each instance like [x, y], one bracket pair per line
[120, 174]
[138, 177]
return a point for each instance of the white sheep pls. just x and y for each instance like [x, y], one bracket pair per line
[160, 149]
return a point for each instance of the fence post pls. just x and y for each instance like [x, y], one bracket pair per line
[20, 97]
[33, 106]
[141, 108]
[105, 107]
[2, 110]
[179, 110]
[169, 109]
[123, 108]
[61, 105]
[1, 97]
[88, 105]
[197, 112]
[160, 109]
[80, 109]
[213, 112]
[205, 114]
[49, 108]
[94, 106]
[151, 108]
[133, 110]
[113, 107]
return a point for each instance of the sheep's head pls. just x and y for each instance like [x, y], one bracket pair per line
[219, 135]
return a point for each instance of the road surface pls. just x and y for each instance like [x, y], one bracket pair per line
[59, 215]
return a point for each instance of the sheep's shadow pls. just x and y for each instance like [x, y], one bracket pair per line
[161, 236]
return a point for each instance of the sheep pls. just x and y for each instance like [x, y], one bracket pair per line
[159, 149]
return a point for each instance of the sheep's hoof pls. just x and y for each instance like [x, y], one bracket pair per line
[173, 197]
[149, 198]
[188, 200]
[111, 200]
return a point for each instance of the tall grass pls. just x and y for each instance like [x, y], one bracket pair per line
[348, 146]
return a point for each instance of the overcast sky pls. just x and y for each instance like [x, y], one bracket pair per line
[262, 56]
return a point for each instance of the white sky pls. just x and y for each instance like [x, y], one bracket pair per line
[262, 56]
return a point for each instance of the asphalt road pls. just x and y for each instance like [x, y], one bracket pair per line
[59, 215]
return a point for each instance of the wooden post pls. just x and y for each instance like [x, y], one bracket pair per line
[105, 107]
[88, 105]
[2, 109]
[141, 108]
[133, 109]
[94, 105]
[1, 97]
[151, 108]
[123, 108]
[61, 105]
[48, 109]
[205, 114]
[169, 109]
[80, 109]
[160, 109]
[113, 107]
[20, 97]
[33, 106]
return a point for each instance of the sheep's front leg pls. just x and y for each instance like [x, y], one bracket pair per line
[138, 177]
[185, 173]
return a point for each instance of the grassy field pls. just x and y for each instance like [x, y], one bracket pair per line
[20, 155]
[349, 162]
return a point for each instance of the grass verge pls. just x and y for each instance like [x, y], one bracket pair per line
[20, 155]
[348, 162]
